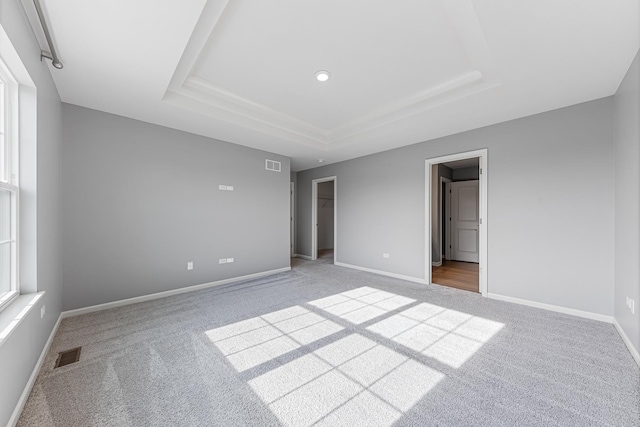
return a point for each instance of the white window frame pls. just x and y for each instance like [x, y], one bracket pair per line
[9, 132]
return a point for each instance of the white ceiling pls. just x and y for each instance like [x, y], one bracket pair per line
[401, 72]
[464, 163]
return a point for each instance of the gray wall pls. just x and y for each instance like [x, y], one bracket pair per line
[466, 174]
[139, 201]
[627, 202]
[40, 233]
[541, 210]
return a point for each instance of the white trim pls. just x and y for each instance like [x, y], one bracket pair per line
[436, 263]
[483, 178]
[556, 308]
[307, 257]
[15, 416]
[314, 216]
[447, 226]
[627, 341]
[382, 273]
[11, 137]
[158, 295]
[292, 225]
[14, 314]
[443, 179]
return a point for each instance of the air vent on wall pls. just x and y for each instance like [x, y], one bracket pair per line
[272, 165]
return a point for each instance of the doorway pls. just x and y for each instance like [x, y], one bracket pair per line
[324, 219]
[457, 221]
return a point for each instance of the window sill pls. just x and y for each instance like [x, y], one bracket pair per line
[7, 298]
[13, 314]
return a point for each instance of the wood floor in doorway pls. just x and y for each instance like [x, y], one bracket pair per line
[456, 274]
[325, 254]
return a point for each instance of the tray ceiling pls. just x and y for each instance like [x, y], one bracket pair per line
[401, 72]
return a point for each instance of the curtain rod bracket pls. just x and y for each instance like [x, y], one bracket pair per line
[55, 62]
[53, 56]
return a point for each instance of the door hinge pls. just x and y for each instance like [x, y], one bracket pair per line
[480, 220]
[480, 171]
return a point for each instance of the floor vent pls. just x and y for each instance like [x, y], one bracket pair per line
[68, 357]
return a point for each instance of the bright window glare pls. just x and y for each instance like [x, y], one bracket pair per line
[3, 148]
[6, 243]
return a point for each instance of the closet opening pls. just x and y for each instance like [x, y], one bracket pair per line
[324, 234]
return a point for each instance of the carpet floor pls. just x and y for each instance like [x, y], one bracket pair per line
[325, 345]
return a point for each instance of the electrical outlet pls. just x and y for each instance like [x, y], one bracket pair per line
[385, 255]
[229, 187]
[229, 260]
[631, 304]
[222, 261]
[42, 311]
[222, 187]
[190, 265]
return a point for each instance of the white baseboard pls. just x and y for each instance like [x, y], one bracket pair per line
[556, 308]
[307, 257]
[158, 295]
[627, 341]
[383, 273]
[436, 264]
[34, 375]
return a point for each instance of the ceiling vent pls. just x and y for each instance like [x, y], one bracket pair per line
[272, 165]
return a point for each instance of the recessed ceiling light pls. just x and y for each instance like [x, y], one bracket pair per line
[322, 75]
[320, 160]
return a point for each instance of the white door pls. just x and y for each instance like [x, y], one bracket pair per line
[464, 221]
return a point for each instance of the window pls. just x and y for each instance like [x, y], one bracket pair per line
[9, 193]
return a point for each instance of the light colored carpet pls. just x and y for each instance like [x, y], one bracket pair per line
[324, 345]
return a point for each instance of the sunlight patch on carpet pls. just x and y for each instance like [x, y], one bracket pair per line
[258, 340]
[446, 335]
[354, 379]
[362, 304]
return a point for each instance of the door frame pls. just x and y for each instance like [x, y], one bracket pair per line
[442, 203]
[292, 213]
[484, 218]
[314, 216]
[447, 226]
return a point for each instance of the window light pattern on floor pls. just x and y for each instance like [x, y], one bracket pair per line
[361, 304]
[448, 336]
[352, 380]
[252, 342]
